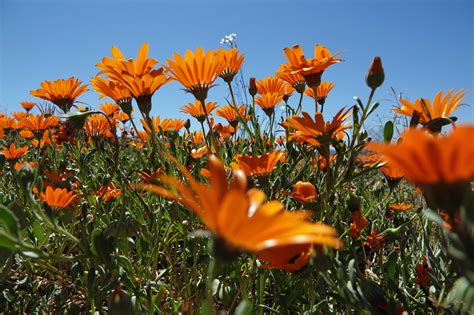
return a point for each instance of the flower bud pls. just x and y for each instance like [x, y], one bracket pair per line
[375, 76]
[353, 203]
[252, 87]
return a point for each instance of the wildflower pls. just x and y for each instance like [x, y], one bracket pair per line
[317, 132]
[422, 273]
[239, 219]
[13, 154]
[311, 69]
[96, 127]
[58, 199]
[197, 111]
[109, 109]
[441, 166]
[304, 192]
[272, 85]
[392, 175]
[268, 102]
[291, 258]
[233, 62]
[321, 92]
[38, 124]
[432, 115]
[229, 113]
[62, 92]
[27, 105]
[117, 92]
[109, 192]
[375, 76]
[196, 71]
[374, 241]
[400, 207]
[295, 80]
[258, 165]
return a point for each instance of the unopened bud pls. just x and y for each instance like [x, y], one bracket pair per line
[252, 86]
[375, 76]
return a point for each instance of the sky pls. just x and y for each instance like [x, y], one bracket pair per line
[425, 46]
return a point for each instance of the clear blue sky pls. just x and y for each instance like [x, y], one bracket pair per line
[425, 45]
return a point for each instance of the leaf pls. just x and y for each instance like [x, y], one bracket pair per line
[388, 131]
[244, 308]
[10, 220]
[392, 265]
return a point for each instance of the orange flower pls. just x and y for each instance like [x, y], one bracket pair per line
[62, 92]
[19, 165]
[239, 219]
[27, 105]
[138, 76]
[374, 241]
[228, 113]
[273, 85]
[315, 132]
[167, 124]
[311, 69]
[291, 258]
[196, 71]
[400, 207]
[422, 273]
[268, 102]
[97, 126]
[431, 114]
[109, 109]
[295, 80]
[197, 111]
[392, 175]
[13, 154]
[120, 94]
[58, 199]
[233, 62]
[258, 165]
[359, 222]
[38, 124]
[321, 92]
[109, 192]
[304, 192]
[441, 166]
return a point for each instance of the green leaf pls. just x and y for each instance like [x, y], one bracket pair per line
[244, 308]
[392, 265]
[388, 131]
[10, 220]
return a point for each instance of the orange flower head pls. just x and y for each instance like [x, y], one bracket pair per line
[117, 92]
[304, 192]
[311, 69]
[400, 207]
[374, 241]
[441, 166]
[422, 273]
[273, 85]
[13, 154]
[109, 192]
[291, 258]
[97, 127]
[295, 80]
[62, 92]
[432, 115]
[229, 113]
[321, 92]
[359, 222]
[197, 71]
[239, 219]
[167, 124]
[198, 111]
[317, 132]
[58, 199]
[232, 60]
[392, 175]
[38, 124]
[27, 106]
[268, 102]
[137, 75]
[109, 109]
[259, 164]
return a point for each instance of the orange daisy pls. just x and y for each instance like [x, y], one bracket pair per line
[232, 60]
[27, 105]
[268, 102]
[295, 80]
[62, 92]
[96, 127]
[441, 166]
[431, 114]
[13, 154]
[58, 199]
[321, 92]
[239, 219]
[304, 192]
[229, 113]
[197, 111]
[120, 94]
[38, 124]
[258, 164]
